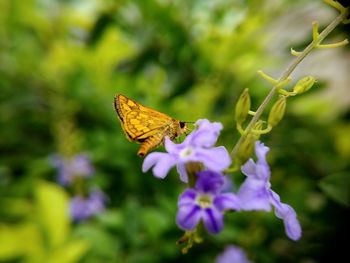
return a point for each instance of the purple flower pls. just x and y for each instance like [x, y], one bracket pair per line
[205, 203]
[232, 254]
[197, 147]
[82, 208]
[255, 193]
[68, 169]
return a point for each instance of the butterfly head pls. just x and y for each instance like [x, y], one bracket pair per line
[184, 129]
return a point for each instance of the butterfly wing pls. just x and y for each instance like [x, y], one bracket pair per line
[140, 122]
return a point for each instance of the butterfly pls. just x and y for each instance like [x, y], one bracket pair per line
[145, 125]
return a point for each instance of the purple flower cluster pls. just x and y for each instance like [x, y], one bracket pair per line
[232, 254]
[197, 147]
[82, 208]
[69, 171]
[207, 201]
[255, 193]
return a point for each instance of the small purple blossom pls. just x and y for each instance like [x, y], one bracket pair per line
[205, 203]
[255, 193]
[82, 208]
[68, 169]
[197, 147]
[232, 254]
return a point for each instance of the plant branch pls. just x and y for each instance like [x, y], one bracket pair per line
[287, 74]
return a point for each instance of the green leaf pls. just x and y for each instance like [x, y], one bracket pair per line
[52, 204]
[155, 222]
[9, 247]
[71, 252]
[337, 186]
[14, 241]
[112, 219]
[103, 244]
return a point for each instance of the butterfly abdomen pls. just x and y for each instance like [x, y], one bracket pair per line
[149, 144]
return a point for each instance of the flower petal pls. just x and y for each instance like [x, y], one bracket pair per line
[70, 168]
[261, 150]
[291, 224]
[187, 197]
[96, 202]
[206, 124]
[226, 201]
[213, 220]
[181, 169]
[232, 254]
[171, 147]
[228, 186]
[207, 133]
[262, 171]
[188, 216]
[77, 208]
[215, 159]
[287, 213]
[161, 163]
[253, 195]
[83, 208]
[81, 165]
[248, 169]
[209, 181]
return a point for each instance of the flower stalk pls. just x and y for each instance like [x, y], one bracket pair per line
[286, 74]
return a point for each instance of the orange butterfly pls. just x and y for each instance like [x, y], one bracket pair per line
[145, 125]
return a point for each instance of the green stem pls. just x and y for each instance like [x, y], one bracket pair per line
[285, 75]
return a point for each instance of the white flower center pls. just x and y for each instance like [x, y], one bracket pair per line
[204, 201]
[186, 152]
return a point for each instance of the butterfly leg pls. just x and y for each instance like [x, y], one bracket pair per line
[149, 144]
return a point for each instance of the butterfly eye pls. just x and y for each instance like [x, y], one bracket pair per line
[182, 124]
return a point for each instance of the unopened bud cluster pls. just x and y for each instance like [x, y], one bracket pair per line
[247, 148]
[276, 113]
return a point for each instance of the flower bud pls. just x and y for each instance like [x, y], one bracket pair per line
[304, 84]
[242, 107]
[259, 125]
[246, 149]
[277, 111]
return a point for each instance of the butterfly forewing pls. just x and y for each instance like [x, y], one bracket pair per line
[138, 121]
[145, 125]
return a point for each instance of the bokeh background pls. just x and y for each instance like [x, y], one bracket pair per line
[61, 64]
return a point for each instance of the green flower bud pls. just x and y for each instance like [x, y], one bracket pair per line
[242, 107]
[258, 126]
[246, 149]
[277, 111]
[304, 84]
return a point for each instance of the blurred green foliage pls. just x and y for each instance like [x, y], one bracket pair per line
[61, 64]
